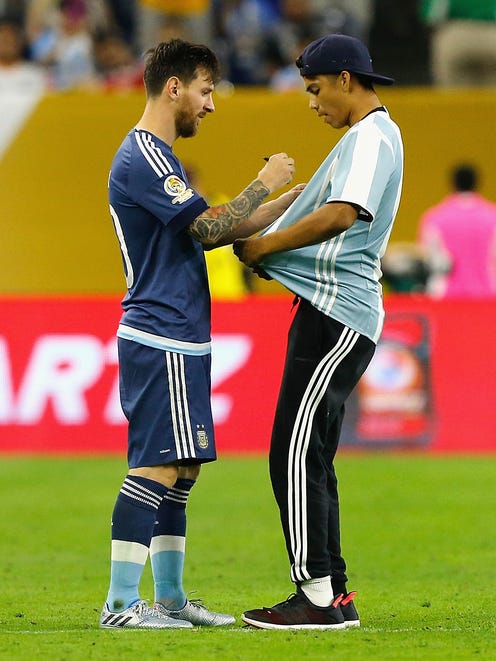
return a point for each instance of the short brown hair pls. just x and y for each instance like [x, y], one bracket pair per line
[177, 58]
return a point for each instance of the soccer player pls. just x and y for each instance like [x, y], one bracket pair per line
[326, 248]
[163, 226]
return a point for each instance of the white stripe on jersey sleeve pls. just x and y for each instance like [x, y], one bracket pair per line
[139, 140]
[361, 172]
[149, 151]
[157, 154]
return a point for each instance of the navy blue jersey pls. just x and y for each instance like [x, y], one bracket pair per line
[167, 304]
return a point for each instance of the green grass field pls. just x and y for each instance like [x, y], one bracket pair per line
[418, 534]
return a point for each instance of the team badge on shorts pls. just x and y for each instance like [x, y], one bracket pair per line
[201, 437]
[176, 188]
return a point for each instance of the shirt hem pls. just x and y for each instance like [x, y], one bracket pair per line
[164, 343]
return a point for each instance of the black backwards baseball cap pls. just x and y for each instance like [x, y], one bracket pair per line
[339, 52]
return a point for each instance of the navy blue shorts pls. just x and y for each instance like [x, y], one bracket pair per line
[165, 397]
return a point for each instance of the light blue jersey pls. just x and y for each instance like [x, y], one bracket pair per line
[340, 277]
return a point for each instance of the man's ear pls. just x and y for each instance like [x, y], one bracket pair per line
[347, 82]
[172, 86]
[345, 79]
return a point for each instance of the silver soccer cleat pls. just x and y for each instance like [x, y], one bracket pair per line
[196, 613]
[140, 616]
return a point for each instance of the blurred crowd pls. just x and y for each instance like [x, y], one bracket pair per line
[74, 43]
[100, 43]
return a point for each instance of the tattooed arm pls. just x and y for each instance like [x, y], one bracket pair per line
[217, 226]
[223, 224]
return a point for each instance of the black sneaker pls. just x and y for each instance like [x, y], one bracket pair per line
[350, 614]
[297, 612]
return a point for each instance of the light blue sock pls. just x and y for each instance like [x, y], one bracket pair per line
[124, 582]
[168, 544]
[133, 521]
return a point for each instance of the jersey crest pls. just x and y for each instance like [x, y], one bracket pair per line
[176, 188]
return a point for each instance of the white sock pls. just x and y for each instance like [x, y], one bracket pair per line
[318, 590]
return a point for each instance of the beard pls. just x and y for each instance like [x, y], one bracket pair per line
[186, 123]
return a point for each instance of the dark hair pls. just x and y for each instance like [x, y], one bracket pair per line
[177, 58]
[365, 82]
[465, 178]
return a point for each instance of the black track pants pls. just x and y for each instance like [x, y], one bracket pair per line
[324, 362]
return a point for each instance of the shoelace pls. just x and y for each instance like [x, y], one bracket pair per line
[337, 601]
[284, 603]
[144, 610]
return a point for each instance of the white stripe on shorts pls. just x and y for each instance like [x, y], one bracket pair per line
[181, 425]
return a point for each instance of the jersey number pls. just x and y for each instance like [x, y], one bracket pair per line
[122, 243]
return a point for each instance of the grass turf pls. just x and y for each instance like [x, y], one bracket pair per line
[418, 535]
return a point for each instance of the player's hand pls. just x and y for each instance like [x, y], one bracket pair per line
[290, 196]
[278, 171]
[296, 190]
[247, 251]
[261, 273]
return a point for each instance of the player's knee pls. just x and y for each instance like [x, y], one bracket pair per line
[166, 475]
[190, 471]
